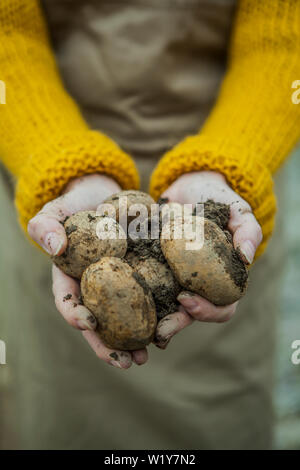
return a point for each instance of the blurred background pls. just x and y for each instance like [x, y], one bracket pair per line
[287, 391]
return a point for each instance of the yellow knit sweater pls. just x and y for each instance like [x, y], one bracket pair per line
[45, 142]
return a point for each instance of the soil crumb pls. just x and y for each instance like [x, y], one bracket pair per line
[146, 248]
[67, 297]
[216, 212]
[165, 298]
[141, 281]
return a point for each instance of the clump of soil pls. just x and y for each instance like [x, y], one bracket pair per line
[142, 252]
[166, 299]
[146, 248]
[217, 212]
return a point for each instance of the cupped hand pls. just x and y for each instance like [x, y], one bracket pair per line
[46, 229]
[247, 235]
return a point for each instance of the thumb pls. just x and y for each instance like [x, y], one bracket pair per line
[46, 228]
[247, 233]
[85, 193]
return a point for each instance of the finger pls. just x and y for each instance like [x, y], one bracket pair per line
[46, 228]
[203, 310]
[140, 356]
[120, 359]
[67, 300]
[247, 233]
[170, 325]
[171, 194]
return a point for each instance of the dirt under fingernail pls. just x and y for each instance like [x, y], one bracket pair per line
[114, 356]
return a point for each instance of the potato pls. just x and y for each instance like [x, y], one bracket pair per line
[128, 199]
[160, 280]
[214, 271]
[121, 302]
[171, 210]
[84, 246]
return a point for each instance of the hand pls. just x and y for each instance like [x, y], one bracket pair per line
[247, 235]
[46, 229]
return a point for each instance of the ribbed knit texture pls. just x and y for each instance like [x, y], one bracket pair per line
[254, 124]
[44, 141]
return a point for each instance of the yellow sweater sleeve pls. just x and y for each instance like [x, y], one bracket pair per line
[44, 140]
[254, 123]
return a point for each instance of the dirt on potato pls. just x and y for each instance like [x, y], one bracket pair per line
[167, 288]
[219, 213]
[122, 305]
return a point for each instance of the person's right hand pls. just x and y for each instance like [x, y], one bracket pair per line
[47, 230]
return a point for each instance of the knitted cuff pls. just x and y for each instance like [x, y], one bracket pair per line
[47, 173]
[250, 179]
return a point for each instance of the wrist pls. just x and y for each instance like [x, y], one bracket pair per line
[95, 178]
[207, 176]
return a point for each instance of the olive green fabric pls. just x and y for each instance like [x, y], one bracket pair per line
[146, 74]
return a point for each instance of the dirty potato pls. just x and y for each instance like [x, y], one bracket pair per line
[214, 271]
[121, 302]
[171, 210]
[123, 204]
[85, 245]
[161, 281]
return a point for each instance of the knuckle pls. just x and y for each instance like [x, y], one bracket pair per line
[241, 208]
[246, 208]
[99, 354]
[63, 307]
[54, 208]
[32, 226]
[49, 206]
[259, 233]
[204, 316]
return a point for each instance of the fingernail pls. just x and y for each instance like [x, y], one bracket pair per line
[116, 364]
[185, 294]
[164, 333]
[162, 343]
[88, 323]
[165, 327]
[52, 243]
[247, 251]
[187, 300]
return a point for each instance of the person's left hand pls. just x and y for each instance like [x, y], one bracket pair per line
[247, 235]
